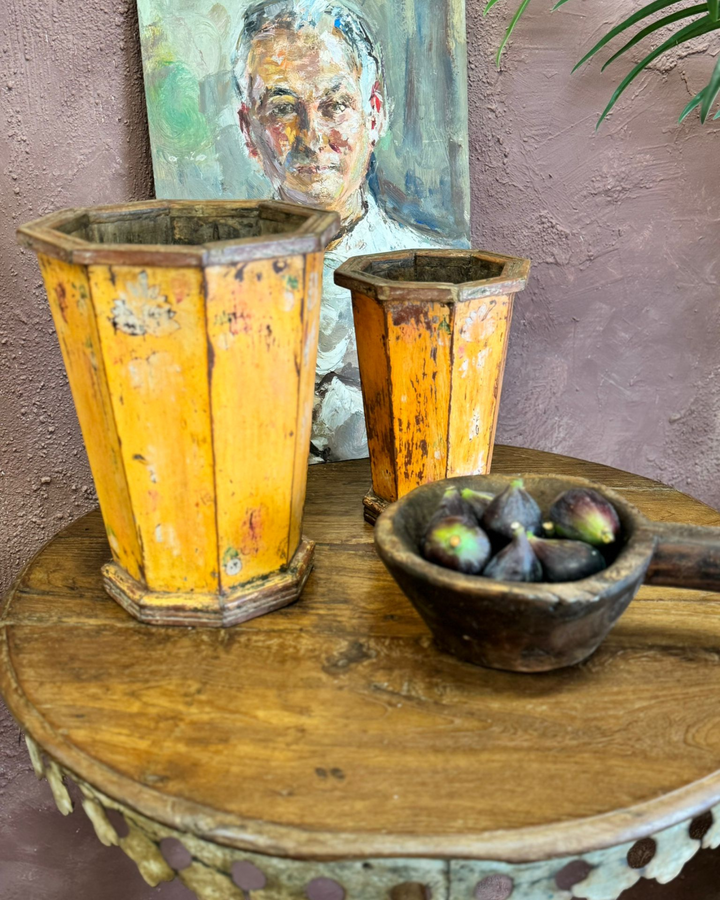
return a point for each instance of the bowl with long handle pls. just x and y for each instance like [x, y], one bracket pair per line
[538, 627]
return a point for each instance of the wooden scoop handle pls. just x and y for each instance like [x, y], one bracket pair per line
[687, 556]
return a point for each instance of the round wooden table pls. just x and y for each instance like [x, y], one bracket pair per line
[329, 750]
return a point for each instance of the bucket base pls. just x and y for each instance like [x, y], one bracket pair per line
[257, 597]
[374, 506]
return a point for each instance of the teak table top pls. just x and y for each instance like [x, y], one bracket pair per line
[334, 729]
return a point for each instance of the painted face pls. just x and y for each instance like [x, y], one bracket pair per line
[307, 120]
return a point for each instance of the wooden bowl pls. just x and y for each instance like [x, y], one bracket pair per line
[537, 627]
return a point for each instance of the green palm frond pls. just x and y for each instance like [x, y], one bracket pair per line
[698, 9]
[707, 21]
[636, 17]
[710, 92]
[693, 30]
[705, 98]
[511, 27]
[696, 101]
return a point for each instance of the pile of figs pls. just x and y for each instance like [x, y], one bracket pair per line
[505, 537]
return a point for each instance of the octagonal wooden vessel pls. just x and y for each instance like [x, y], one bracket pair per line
[432, 329]
[189, 334]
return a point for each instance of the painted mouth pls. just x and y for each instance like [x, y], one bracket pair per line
[310, 171]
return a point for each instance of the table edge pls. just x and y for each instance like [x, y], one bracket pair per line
[521, 845]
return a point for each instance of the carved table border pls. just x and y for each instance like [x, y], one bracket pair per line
[211, 870]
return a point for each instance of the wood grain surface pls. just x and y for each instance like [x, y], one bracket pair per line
[432, 330]
[334, 728]
[179, 233]
[195, 400]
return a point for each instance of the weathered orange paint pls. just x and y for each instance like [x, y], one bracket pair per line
[419, 349]
[192, 367]
[481, 333]
[305, 363]
[69, 294]
[151, 323]
[371, 334]
[257, 346]
[440, 368]
[432, 331]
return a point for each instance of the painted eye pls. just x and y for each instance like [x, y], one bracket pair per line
[282, 110]
[335, 107]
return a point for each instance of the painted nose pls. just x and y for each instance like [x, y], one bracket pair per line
[309, 137]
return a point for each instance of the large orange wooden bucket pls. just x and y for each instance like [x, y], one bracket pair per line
[189, 334]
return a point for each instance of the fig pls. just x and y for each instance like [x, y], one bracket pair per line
[582, 514]
[564, 560]
[517, 561]
[451, 504]
[457, 542]
[478, 501]
[513, 505]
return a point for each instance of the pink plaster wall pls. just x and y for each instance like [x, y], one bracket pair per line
[613, 350]
[613, 355]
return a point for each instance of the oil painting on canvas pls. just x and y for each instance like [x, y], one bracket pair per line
[356, 107]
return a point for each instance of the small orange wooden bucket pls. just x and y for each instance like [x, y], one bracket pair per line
[432, 329]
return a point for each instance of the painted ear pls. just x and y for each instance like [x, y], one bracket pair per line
[379, 112]
[244, 119]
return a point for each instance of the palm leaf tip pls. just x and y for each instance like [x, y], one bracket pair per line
[511, 27]
[710, 91]
[695, 10]
[648, 10]
[696, 101]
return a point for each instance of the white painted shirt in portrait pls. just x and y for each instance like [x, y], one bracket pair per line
[356, 106]
[338, 418]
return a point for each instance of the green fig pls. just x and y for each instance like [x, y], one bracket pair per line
[566, 560]
[478, 501]
[457, 543]
[513, 505]
[582, 514]
[517, 561]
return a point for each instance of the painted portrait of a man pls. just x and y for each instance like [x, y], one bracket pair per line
[326, 113]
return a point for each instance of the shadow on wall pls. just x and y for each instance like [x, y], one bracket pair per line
[46, 856]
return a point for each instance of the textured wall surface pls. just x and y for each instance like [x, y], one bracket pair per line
[613, 351]
[613, 355]
[73, 134]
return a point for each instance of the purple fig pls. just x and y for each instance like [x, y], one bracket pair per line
[457, 543]
[451, 504]
[582, 514]
[478, 501]
[513, 505]
[516, 562]
[566, 560]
